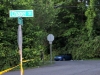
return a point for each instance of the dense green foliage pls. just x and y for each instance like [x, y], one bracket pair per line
[74, 25]
[77, 32]
[34, 31]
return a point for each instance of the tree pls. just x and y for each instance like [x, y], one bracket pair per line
[75, 29]
[69, 23]
[34, 30]
[91, 14]
[8, 31]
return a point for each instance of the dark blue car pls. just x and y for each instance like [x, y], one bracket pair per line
[63, 57]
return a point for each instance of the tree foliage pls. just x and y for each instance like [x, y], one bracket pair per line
[34, 31]
[76, 24]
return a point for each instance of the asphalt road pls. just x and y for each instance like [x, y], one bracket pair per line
[76, 67]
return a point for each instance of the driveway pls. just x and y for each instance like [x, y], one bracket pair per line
[76, 67]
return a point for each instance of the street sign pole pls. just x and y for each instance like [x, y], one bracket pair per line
[51, 52]
[50, 38]
[21, 63]
[20, 22]
[19, 14]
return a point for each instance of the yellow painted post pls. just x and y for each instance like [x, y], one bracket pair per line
[21, 63]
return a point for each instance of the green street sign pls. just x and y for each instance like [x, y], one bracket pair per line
[21, 13]
[20, 21]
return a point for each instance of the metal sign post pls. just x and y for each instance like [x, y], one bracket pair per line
[19, 14]
[20, 22]
[50, 38]
[51, 52]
